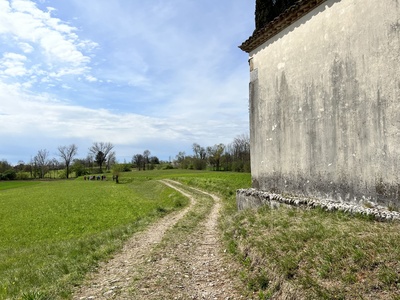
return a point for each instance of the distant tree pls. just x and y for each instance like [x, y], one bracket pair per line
[180, 156]
[111, 160]
[100, 158]
[79, 167]
[146, 155]
[137, 160]
[7, 172]
[67, 154]
[41, 161]
[227, 159]
[32, 168]
[240, 151]
[199, 159]
[214, 155]
[20, 168]
[89, 161]
[196, 150]
[101, 151]
[117, 169]
[180, 160]
[54, 165]
[153, 161]
[4, 166]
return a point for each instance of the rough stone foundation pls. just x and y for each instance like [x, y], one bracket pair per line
[253, 198]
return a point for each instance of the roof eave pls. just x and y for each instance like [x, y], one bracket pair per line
[288, 17]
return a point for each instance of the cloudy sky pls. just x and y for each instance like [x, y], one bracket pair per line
[155, 74]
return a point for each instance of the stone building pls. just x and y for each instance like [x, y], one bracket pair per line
[325, 99]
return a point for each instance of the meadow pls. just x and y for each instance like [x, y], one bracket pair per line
[54, 232]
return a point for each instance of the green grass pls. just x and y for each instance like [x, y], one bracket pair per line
[312, 254]
[5, 185]
[52, 233]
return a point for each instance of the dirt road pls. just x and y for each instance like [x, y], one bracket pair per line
[179, 257]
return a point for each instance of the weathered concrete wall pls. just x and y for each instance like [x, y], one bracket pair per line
[325, 104]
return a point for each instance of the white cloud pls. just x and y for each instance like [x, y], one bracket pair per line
[91, 78]
[44, 115]
[156, 74]
[25, 47]
[12, 64]
[39, 34]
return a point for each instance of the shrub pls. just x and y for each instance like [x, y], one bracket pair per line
[8, 175]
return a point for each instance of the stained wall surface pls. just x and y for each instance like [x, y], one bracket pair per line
[325, 104]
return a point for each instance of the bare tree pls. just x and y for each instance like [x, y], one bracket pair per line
[42, 161]
[199, 161]
[111, 160]
[196, 149]
[241, 153]
[104, 148]
[67, 154]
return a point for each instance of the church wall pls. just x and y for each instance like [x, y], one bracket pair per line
[325, 104]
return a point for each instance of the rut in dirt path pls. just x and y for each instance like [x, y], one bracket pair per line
[115, 275]
[161, 263]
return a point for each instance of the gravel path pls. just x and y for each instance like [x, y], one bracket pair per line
[156, 264]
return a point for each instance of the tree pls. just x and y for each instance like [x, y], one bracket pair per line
[89, 161]
[67, 154]
[137, 160]
[104, 148]
[153, 160]
[199, 159]
[79, 167]
[6, 171]
[4, 166]
[111, 160]
[196, 149]
[241, 153]
[214, 155]
[41, 161]
[100, 158]
[146, 155]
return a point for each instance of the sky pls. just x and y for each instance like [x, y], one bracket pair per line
[155, 75]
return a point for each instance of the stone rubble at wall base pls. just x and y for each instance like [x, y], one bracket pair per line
[253, 198]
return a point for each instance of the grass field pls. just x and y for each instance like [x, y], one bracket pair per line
[52, 233]
[5, 185]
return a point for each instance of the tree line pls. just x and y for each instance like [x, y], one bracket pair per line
[232, 157]
[101, 157]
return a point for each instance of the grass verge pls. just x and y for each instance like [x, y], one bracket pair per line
[313, 254]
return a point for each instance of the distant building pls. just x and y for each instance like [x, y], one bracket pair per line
[325, 99]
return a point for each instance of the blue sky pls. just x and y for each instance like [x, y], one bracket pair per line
[156, 74]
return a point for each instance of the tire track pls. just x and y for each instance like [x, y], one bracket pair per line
[190, 265]
[115, 275]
